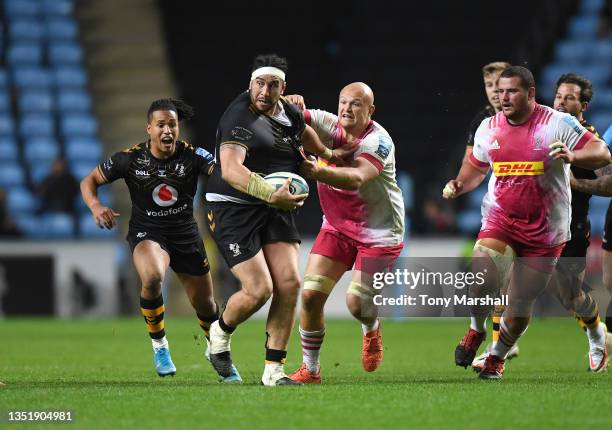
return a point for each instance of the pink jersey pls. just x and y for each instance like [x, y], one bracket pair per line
[529, 194]
[374, 214]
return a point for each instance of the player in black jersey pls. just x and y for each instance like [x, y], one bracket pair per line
[490, 75]
[572, 95]
[162, 177]
[251, 222]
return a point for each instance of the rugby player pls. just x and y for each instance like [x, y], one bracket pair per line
[526, 211]
[162, 177]
[252, 223]
[363, 224]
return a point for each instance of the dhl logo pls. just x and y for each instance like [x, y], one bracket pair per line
[518, 168]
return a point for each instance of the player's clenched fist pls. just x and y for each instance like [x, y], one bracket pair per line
[104, 216]
[452, 188]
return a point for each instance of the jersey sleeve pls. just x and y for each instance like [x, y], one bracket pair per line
[205, 162]
[377, 149]
[323, 123]
[236, 126]
[571, 132]
[116, 166]
[480, 155]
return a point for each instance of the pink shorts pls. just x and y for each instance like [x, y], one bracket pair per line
[333, 244]
[544, 258]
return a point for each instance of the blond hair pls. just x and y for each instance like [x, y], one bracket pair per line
[495, 67]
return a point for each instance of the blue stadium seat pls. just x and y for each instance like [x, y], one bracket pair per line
[599, 203]
[78, 125]
[571, 50]
[11, 175]
[584, 26]
[5, 101]
[476, 196]
[22, 8]
[39, 149]
[32, 77]
[65, 53]
[34, 101]
[40, 170]
[57, 225]
[70, 77]
[9, 151]
[36, 125]
[7, 125]
[80, 169]
[21, 30]
[601, 120]
[61, 29]
[602, 100]
[83, 149]
[57, 7]
[21, 200]
[73, 100]
[468, 221]
[24, 54]
[597, 73]
[591, 6]
[598, 222]
[4, 79]
[30, 225]
[89, 229]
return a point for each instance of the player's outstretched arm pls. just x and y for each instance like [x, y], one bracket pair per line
[313, 144]
[469, 178]
[352, 177]
[104, 216]
[600, 186]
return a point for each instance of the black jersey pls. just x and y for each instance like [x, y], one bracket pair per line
[162, 191]
[487, 112]
[271, 146]
[580, 200]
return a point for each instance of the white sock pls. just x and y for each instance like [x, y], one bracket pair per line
[596, 335]
[506, 340]
[160, 343]
[311, 348]
[273, 371]
[479, 323]
[369, 328]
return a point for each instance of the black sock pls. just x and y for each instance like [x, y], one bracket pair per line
[275, 355]
[226, 328]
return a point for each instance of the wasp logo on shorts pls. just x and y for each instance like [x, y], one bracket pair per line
[165, 195]
[235, 248]
[518, 168]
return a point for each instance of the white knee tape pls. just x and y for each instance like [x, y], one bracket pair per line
[503, 262]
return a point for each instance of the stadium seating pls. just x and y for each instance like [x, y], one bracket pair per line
[45, 110]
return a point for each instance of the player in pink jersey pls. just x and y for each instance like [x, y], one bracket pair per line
[363, 224]
[526, 212]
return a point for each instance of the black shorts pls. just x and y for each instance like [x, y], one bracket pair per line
[573, 258]
[189, 258]
[606, 241]
[240, 231]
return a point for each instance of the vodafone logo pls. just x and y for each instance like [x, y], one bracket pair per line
[165, 195]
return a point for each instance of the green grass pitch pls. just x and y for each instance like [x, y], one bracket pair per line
[103, 372]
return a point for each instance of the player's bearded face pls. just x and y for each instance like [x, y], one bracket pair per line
[163, 130]
[490, 83]
[265, 91]
[513, 97]
[567, 99]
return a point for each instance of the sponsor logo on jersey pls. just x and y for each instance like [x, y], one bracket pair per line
[384, 147]
[165, 195]
[179, 169]
[573, 122]
[161, 173]
[108, 164]
[495, 144]
[142, 173]
[518, 168]
[144, 160]
[204, 154]
[241, 133]
[166, 212]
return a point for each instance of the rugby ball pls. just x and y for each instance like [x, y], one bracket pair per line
[298, 184]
